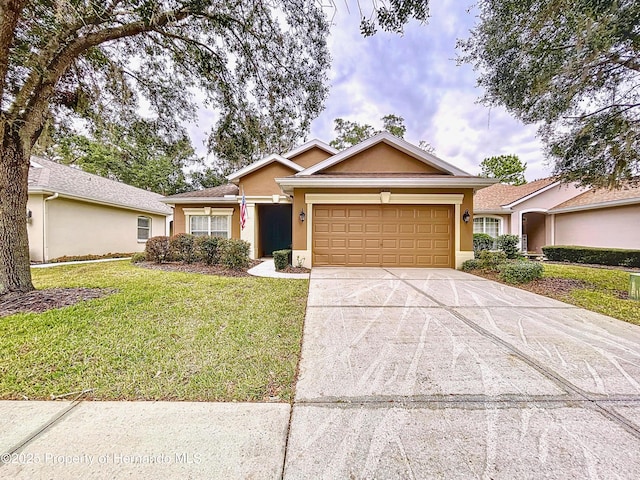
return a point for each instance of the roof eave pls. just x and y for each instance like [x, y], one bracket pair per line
[98, 201]
[263, 162]
[531, 195]
[308, 146]
[192, 200]
[289, 183]
[597, 206]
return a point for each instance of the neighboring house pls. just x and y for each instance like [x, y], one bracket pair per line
[546, 212]
[383, 202]
[71, 212]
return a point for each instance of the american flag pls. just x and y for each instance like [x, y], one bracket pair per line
[243, 212]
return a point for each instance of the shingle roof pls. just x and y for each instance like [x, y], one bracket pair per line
[53, 177]
[214, 192]
[600, 196]
[499, 194]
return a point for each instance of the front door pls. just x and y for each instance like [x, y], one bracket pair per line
[274, 228]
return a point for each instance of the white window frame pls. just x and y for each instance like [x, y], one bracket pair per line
[491, 217]
[209, 213]
[148, 228]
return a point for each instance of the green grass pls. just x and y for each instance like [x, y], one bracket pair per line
[600, 294]
[162, 336]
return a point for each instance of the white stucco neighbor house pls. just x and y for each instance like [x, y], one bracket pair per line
[71, 212]
[547, 212]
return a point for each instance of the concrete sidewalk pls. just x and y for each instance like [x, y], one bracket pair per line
[95, 440]
[404, 374]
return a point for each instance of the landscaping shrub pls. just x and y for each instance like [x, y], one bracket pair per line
[472, 264]
[491, 260]
[182, 247]
[281, 258]
[158, 249]
[509, 245]
[234, 253]
[208, 249]
[522, 271]
[481, 242]
[598, 256]
[138, 257]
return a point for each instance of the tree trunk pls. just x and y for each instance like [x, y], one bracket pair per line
[15, 269]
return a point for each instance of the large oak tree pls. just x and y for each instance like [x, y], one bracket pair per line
[66, 60]
[573, 67]
[259, 64]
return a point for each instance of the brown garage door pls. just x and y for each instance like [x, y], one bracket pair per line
[383, 235]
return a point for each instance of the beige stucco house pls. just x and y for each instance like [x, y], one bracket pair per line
[383, 202]
[547, 212]
[71, 212]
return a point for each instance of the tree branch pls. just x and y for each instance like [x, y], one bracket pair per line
[10, 11]
[41, 93]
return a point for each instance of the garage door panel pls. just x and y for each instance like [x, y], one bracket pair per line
[383, 235]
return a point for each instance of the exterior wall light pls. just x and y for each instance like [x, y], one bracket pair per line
[29, 216]
[466, 217]
[302, 215]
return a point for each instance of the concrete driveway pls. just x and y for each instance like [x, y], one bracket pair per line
[440, 374]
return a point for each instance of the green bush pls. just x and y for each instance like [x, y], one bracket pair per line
[481, 242]
[491, 260]
[281, 258]
[234, 253]
[138, 257]
[521, 271]
[182, 247]
[599, 256]
[472, 264]
[509, 245]
[158, 249]
[208, 249]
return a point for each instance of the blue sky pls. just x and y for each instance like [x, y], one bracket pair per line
[416, 76]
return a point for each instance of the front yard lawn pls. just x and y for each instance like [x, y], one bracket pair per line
[160, 336]
[600, 290]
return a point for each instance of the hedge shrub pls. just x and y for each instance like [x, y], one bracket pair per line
[158, 249]
[491, 260]
[509, 245]
[208, 249]
[599, 256]
[281, 258]
[234, 253]
[522, 271]
[481, 242]
[138, 257]
[182, 247]
[472, 264]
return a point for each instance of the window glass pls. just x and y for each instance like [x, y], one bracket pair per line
[144, 228]
[490, 226]
[217, 225]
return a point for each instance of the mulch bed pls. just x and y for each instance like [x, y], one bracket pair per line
[39, 301]
[199, 268]
[290, 269]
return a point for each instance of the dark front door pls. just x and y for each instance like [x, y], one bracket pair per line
[275, 228]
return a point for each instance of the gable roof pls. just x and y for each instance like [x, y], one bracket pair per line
[500, 196]
[600, 198]
[308, 146]
[398, 143]
[235, 176]
[221, 193]
[49, 177]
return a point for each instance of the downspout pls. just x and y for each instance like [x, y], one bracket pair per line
[44, 226]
